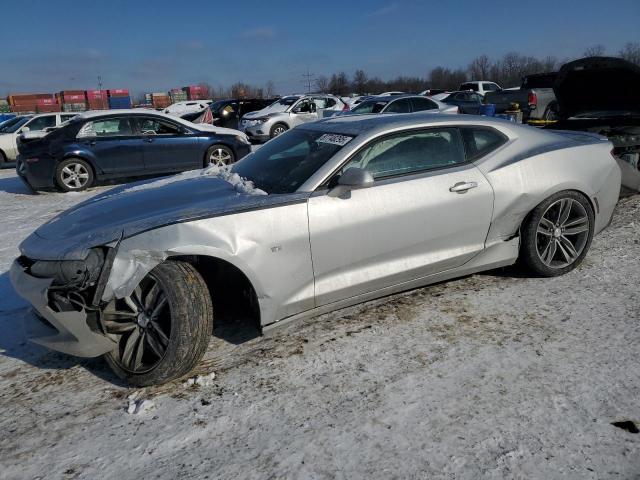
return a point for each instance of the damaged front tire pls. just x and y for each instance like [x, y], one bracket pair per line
[163, 328]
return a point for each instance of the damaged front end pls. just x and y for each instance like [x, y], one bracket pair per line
[626, 149]
[65, 296]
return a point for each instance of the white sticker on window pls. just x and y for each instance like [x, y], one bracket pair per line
[334, 139]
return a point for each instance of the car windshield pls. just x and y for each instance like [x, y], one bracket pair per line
[469, 86]
[280, 105]
[283, 164]
[15, 126]
[370, 106]
[216, 106]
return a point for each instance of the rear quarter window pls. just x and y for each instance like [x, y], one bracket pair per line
[480, 141]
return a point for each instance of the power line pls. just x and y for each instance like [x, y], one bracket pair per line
[308, 77]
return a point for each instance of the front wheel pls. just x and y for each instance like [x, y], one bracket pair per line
[278, 129]
[557, 234]
[74, 175]
[219, 155]
[163, 328]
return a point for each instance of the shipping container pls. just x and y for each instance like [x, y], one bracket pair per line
[74, 107]
[72, 97]
[119, 92]
[47, 108]
[119, 102]
[96, 94]
[26, 99]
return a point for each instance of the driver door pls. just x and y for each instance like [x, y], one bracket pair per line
[168, 147]
[408, 225]
[304, 111]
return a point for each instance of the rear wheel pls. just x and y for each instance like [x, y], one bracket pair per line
[73, 175]
[219, 155]
[278, 129]
[163, 328]
[557, 234]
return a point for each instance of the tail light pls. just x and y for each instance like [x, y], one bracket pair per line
[459, 109]
[533, 99]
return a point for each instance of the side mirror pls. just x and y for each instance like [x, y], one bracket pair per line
[352, 179]
[25, 129]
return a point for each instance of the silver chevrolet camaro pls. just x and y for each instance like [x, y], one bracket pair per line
[327, 215]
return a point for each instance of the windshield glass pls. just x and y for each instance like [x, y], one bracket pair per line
[217, 105]
[280, 105]
[15, 126]
[287, 161]
[370, 106]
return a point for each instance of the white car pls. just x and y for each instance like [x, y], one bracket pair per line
[190, 106]
[480, 86]
[8, 139]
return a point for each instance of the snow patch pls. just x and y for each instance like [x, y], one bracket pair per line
[201, 380]
[241, 185]
[139, 406]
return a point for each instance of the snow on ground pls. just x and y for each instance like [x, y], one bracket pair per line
[491, 376]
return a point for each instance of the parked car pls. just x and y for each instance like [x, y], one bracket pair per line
[288, 112]
[401, 104]
[467, 101]
[227, 113]
[430, 92]
[190, 106]
[381, 203]
[480, 86]
[100, 145]
[600, 95]
[535, 97]
[9, 138]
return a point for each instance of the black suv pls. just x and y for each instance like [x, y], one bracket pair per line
[227, 113]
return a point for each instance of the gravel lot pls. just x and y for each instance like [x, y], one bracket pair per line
[490, 376]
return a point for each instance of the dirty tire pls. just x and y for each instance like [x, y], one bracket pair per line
[83, 172]
[278, 129]
[534, 233]
[219, 155]
[191, 317]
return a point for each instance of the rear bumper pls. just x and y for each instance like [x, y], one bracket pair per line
[65, 332]
[38, 175]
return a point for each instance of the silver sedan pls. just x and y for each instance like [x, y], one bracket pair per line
[327, 215]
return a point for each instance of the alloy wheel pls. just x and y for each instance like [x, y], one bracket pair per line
[75, 176]
[141, 325]
[562, 233]
[220, 157]
[279, 130]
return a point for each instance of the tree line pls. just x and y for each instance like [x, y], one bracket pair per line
[506, 71]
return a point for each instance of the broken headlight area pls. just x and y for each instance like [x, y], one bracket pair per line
[626, 143]
[75, 283]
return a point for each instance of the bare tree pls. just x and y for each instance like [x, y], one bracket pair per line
[339, 84]
[270, 89]
[594, 51]
[322, 84]
[359, 83]
[479, 67]
[631, 53]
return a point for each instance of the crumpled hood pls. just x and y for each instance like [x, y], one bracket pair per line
[131, 209]
[597, 84]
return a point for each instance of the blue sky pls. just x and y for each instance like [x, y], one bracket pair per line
[156, 45]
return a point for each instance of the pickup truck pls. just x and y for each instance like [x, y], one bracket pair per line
[535, 97]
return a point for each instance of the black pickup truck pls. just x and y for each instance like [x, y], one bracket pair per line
[535, 97]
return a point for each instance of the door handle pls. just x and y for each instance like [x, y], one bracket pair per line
[462, 187]
[148, 139]
[91, 143]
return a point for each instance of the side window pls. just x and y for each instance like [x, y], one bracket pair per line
[155, 126]
[479, 141]
[399, 106]
[474, 97]
[421, 104]
[109, 127]
[41, 123]
[489, 87]
[410, 152]
[320, 102]
[331, 102]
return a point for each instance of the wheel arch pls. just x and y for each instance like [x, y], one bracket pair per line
[81, 156]
[230, 287]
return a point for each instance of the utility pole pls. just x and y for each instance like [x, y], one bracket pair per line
[308, 77]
